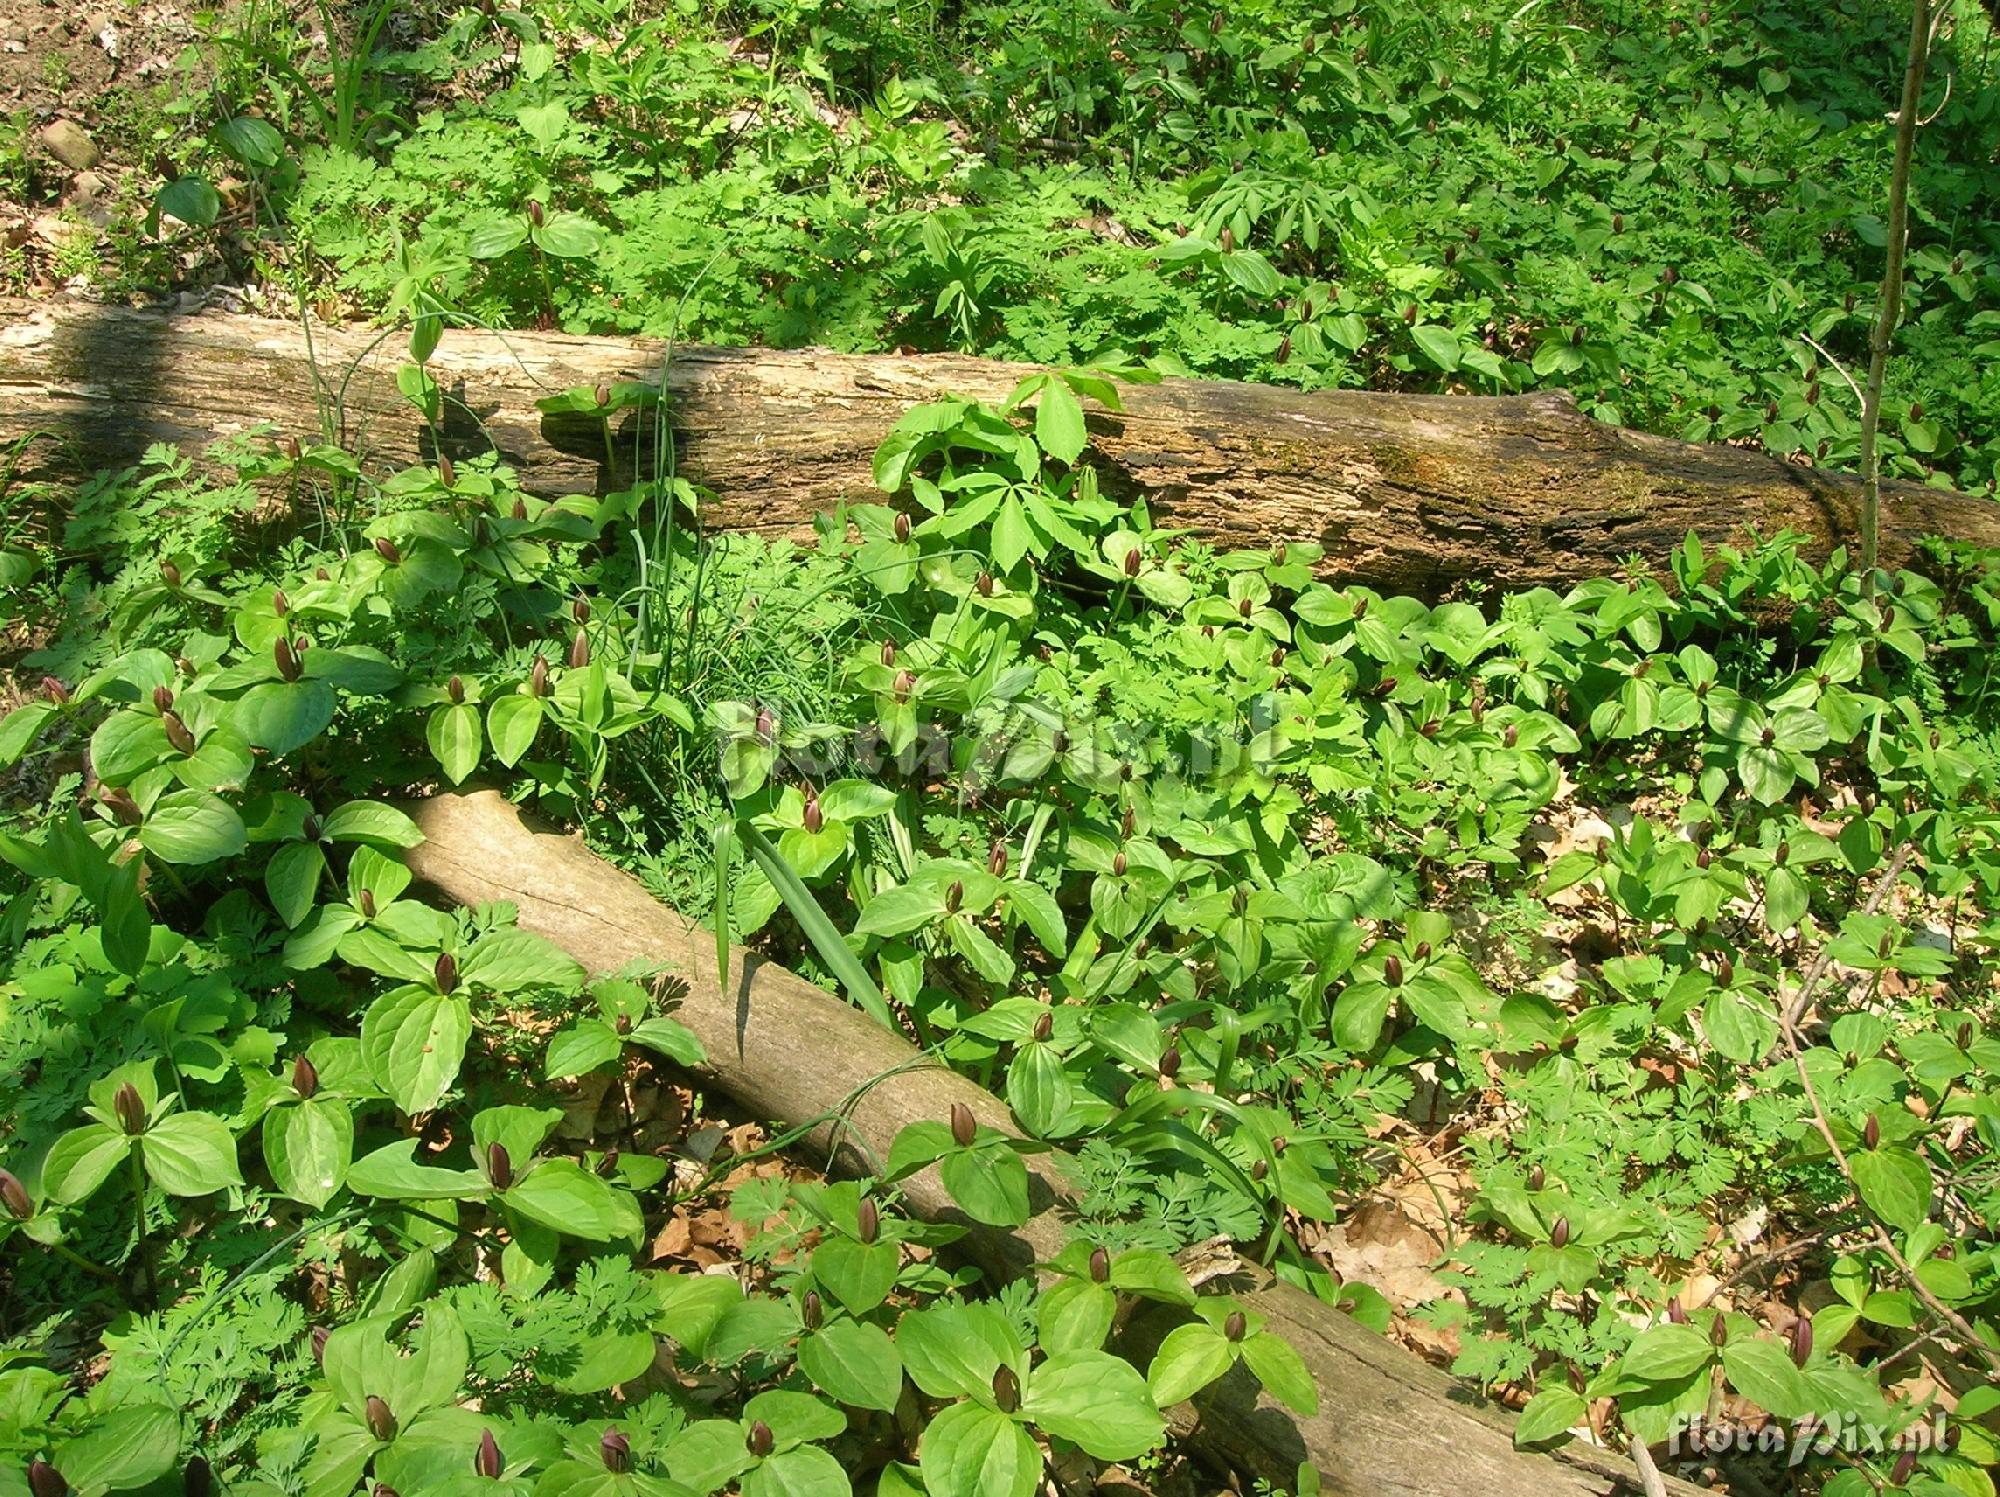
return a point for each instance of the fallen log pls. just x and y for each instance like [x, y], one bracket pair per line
[1388, 1425]
[1408, 493]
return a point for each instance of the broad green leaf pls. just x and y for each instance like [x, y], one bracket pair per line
[193, 827]
[81, 1161]
[989, 1183]
[414, 1040]
[291, 879]
[371, 822]
[566, 1198]
[1190, 1358]
[1894, 1184]
[1059, 426]
[308, 1147]
[456, 739]
[122, 1450]
[1097, 1401]
[854, 1363]
[511, 724]
[970, 1450]
[1667, 1353]
[1763, 1372]
[191, 1154]
[1550, 1415]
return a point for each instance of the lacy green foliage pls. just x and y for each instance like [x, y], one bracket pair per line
[1183, 852]
[1653, 209]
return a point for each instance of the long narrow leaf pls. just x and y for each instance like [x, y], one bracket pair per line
[826, 940]
[725, 856]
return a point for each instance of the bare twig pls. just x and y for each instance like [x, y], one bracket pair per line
[1649, 1474]
[1802, 1000]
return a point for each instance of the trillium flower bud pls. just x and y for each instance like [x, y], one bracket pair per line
[488, 1461]
[615, 1451]
[1284, 353]
[1965, 1035]
[44, 1480]
[607, 1167]
[163, 699]
[984, 583]
[888, 652]
[1718, 1333]
[1675, 1314]
[538, 676]
[520, 509]
[902, 528]
[602, 394]
[996, 859]
[1278, 656]
[1170, 1063]
[579, 650]
[1802, 1340]
[387, 550]
[120, 804]
[1129, 823]
[1905, 1468]
[1235, 1327]
[867, 1220]
[1559, 1232]
[280, 604]
[954, 896]
[171, 573]
[1537, 1178]
[622, 1024]
[1392, 971]
[445, 971]
[767, 723]
[812, 817]
[291, 449]
[55, 691]
[177, 732]
[367, 904]
[1423, 951]
[1100, 1265]
[305, 1077]
[1006, 1389]
[14, 1196]
[963, 1126]
[1258, 1171]
[1045, 1025]
[198, 1480]
[1244, 607]
[1725, 972]
[760, 1440]
[455, 689]
[319, 1335]
[499, 1166]
[283, 657]
[1132, 561]
[1119, 864]
[447, 474]
[534, 212]
[130, 1110]
[381, 1423]
[383, 1489]
[1228, 235]
[905, 683]
[1871, 1134]
[322, 574]
[812, 1310]
[1669, 276]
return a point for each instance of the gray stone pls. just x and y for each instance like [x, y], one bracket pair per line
[68, 143]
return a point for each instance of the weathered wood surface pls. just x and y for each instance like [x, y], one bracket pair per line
[1388, 1425]
[1407, 493]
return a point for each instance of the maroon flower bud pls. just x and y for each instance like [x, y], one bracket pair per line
[198, 1480]
[534, 212]
[171, 573]
[1235, 1327]
[520, 509]
[163, 699]
[888, 652]
[867, 1220]
[984, 583]
[760, 1440]
[1006, 1389]
[305, 1077]
[1258, 1171]
[381, 1423]
[1559, 1233]
[579, 650]
[1278, 656]
[1703, 859]
[1511, 735]
[1669, 276]
[1119, 864]
[280, 604]
[1129, 822]
[1718, 1333]
[445, 971]
[14, 1196]
[488, 1462]
[44, 1480]
[447, 474]
[120, 804]
[812, 1311]
[767, 723]
[538, 676]
[812, 817]
[177, 732]
[954, 896]
[1228, 235]
[1278, 1144]
[996, 859]
[131, 1111]
[291, 449]
[1284, 352]
[963, 1127]
[1537, 1178]
[1423, 951]
[607, 1167]
[1132, 560]
[55, 691]
[1392, 971]
[1965, 1035]
[905, 683]
[322, 574]
[1100, 1265]
[455, 689]
[1244, 607]
[383, 1489]
[499, 1166]
[1170, 1063]
[386, 549]
[367, 904]
[1802, 1340]
[1045, 1025]
[1905, 1468]
[622, 1024]
[318, 1338]
[902, 528]
[1871, 1135]
[615, 1451]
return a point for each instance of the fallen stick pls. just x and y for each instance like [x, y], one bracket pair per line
[1388, 1424]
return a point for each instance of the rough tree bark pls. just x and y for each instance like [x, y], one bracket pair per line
[1407, 493]
[1388, 1425]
